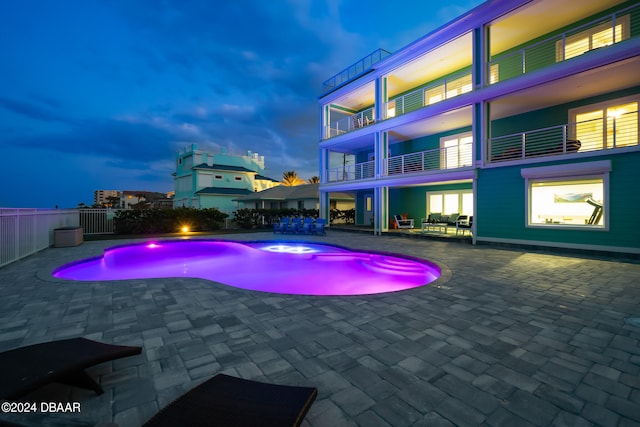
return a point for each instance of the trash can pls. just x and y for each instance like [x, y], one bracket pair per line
[67, 236]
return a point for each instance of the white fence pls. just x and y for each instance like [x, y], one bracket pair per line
[27, 231]
[97, 221]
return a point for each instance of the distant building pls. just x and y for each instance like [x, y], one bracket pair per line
[131, 198]
[205, 180]
[101, 197]
[295, 197]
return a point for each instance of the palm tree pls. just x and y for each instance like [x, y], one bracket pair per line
[314, 180]
[291, 179]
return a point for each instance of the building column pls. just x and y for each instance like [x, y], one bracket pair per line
[380, 210]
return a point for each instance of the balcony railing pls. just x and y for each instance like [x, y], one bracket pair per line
[349, 123]
[454, 157]
[352, 172]
[594, 35]
[360, 67]
[431, 94]
[593, 135]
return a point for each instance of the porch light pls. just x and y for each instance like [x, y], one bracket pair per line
[184, 229]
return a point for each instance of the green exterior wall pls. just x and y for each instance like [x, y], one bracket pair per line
[502, 196]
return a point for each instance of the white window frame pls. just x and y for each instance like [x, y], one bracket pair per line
[459, 193]
[603, 106]
[566, 172]
[443, 157]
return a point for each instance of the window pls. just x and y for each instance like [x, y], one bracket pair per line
[611, 124]
[598, 36]
[238, 178]
[450, 202]
[567, 202]
[569, 195]
[494, 74]
[217, 177]
[456, 151]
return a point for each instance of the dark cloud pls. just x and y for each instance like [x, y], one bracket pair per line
[33, 110]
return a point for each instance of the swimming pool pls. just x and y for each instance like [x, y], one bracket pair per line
[280, 267]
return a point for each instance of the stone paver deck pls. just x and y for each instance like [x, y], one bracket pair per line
[504, 338]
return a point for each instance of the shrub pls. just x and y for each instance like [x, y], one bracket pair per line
[148, 221]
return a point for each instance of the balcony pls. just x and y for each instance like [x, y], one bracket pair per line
[433, 93]
[610, 132]
[350, 123]
[359, 68]
[594, 35]
[438, 159]
[351, 172]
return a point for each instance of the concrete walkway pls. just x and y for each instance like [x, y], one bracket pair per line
[503, 338]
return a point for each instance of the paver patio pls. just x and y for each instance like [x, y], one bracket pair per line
[503, 338]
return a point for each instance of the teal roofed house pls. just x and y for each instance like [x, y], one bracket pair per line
[521, 114]
[205, 180]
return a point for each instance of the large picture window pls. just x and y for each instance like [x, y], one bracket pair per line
[572, 195]
[575, 202]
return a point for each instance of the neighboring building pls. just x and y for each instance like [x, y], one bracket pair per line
[482, 117]
[204, 180]
[132, 198]
[295, 197]
[101, 197]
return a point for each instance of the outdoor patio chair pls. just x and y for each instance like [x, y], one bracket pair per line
[305, 228]
[282, 225]
[318, 227]
[403, 223]
[434, 218]
[453, 218]
[229, 401]
[25, 369]
[293, 226]
[464, 223]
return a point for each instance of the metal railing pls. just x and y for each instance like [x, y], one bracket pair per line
[591, 135]
[444, 158]
[358, 68]
[569, 44]
[26, 231]
[352, 172]
[431, 94]
[349, 123]
[454, 157]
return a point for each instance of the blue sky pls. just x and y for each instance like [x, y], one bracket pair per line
[102, 94]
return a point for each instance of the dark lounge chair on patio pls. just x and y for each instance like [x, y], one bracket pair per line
[229, 401]
[25, 369]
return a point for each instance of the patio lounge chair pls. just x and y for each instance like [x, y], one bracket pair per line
[282, 225]
[403, 223]
[25, 369]
[228, 401]
[305, 228]
[318, 227]
[293, 226]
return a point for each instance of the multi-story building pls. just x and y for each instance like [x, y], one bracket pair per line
[522, 114]
[205, 180]
[105, 197]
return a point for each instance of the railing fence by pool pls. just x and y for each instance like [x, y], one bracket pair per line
[26, 231]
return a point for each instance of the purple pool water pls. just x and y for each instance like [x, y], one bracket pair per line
[287, 268]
